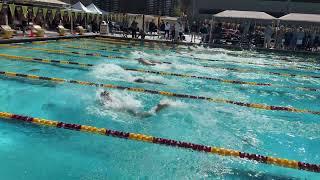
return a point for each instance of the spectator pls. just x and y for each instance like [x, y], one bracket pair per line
[134, 28]
[204, 32]
[267, 36]
[179, 31]
[194, 31]
[152, 27]
[280, 38]
[299, 38]
[110, 25]
[167, 30]
[162, 26]
[173, 31]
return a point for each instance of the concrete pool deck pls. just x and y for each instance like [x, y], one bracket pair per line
[50, 35]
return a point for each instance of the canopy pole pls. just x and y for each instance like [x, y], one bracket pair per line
[211, 27]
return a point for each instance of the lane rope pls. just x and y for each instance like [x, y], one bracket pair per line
[61, 51]
[251, 63]
[242, 70]
[162, 73]
[167, 142]
[23, 58]
[163, 93]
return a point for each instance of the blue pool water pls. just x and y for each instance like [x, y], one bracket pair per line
[32, 152]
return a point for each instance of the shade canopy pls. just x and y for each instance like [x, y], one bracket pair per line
[254, 15]
[95, 9]
[297, 17]
[55, 3]
[81, 7]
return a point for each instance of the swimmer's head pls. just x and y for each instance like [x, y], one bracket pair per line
[139, 80]
[105, 95]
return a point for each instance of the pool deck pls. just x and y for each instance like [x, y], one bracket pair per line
[54, 36]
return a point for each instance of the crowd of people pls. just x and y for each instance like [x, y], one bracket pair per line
[265, 36]
[286, 37]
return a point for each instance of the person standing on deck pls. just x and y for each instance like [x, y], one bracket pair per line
[167, 30]
[194, 31]
[267, 36]
[134, 28]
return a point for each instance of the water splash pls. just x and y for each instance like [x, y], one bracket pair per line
[112, 72]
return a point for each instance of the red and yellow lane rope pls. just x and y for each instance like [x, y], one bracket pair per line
[23, 58]
[163, 93]
[168, 142]
[162, 73]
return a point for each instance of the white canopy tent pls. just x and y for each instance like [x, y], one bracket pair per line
[95, 9]
[81, 7]
[169, 19]
[49, 3]
[244, 15]
[300, 18]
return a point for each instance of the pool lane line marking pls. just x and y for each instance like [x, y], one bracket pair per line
[137, 44]
[22, 58]
[162, 73]
[123, 58]
[78, 47]
[159, 44]
[95, 49]
[63, 51]
[252, 63]
[40, 60]
[70, 52]
[163, 93]
[207, 66]
[282, 162]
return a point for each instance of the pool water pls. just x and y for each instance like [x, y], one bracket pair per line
[32, 152]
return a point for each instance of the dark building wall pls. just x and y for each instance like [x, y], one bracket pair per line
[161, 7]
[133, 6]
[154, 7]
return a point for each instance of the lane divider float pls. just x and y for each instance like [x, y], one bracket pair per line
[253, 63]
[167, 142]
[62, 51]
[139, 44]
[241, 70]
[163, 93]
[250, 63]
[162, 73]
[23, 58]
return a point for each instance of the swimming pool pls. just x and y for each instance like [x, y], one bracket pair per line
[250, 97]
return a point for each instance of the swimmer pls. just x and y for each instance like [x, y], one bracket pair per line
[150, 62]
[106, 98]
[33, 70]
[145, 62]
[284, 58]
[139, 80]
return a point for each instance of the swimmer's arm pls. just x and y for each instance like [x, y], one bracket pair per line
[140, 114]
[161, 107]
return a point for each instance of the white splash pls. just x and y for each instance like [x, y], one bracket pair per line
[121, 101]
[112, 72]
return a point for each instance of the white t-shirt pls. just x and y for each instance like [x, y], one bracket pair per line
[167, 27]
